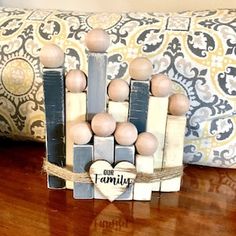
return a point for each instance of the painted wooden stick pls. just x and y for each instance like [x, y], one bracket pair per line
[97, 42]
[174, 141]
[75, 111]
[103, 125]
[52, 57]
[161, 87]
[83, 156]
[146, 145]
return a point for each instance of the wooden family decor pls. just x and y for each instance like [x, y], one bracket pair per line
[116, 140]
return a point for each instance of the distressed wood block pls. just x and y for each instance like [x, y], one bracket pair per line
[143, 191]
[103, 150]
[83, 156]
[173, 151]
[119, 110]
[54, 97]
[97, 78]
[75, 112]
[156, 124]
[125, 153]
[138, 106]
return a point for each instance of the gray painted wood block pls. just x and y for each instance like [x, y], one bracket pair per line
[138, 106]
[125, 153]
[54, 97]
[83, 156]
[97, 79]
[103, 150]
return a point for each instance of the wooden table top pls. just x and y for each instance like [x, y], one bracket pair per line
[206, 204]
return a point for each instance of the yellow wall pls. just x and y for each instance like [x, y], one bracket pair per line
[122, 5]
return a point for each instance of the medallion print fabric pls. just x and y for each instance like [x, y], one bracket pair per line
[197, 50]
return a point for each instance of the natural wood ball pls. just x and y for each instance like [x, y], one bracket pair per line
[126, 133]
[140, 68]
[146, 144]
[97, 40]
[76, 81]
[161, 85]
[81, 133]
[103, 124]
[118, 90]
[51, 56]
[178, 104]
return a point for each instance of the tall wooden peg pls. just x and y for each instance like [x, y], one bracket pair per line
[174, 140]
[52, 58]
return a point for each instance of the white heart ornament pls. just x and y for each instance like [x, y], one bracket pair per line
[112, 182]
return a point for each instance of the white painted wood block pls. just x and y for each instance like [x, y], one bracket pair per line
[75, 112]
[156, 124]
[125, 153]
[119, 110]
[143, 191]
[173, 151]
[103, 150]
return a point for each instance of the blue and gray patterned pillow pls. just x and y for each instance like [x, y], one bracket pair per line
[196, 49]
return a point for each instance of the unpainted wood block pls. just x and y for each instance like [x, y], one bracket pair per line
[125, 153]
[138, 105]
[143, 191]
[75, 112]
[173, 151]
[83, 156]
[119, 110]
[54, 97]
[156, 124]
[97, 88]
[103, 150]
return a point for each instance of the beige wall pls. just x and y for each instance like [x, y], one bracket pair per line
[122, 5]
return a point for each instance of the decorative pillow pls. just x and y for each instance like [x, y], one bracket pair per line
[196, 49]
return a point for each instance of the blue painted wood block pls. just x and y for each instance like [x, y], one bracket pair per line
[97, 89]
[125, 153]
[138, 106]
[83, 156]
[54, 96]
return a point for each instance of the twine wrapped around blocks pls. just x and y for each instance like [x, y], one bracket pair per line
[157, 176]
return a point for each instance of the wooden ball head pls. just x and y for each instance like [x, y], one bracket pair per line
[161, 85]
[76, 81]
[140, 68]
[126, 133]
[146, 144]
[97, 40]
[81, 133]
[51, 56]
[103, 124]
[178, 104]
[118, 90]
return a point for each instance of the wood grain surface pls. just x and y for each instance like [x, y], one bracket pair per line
[206, 204]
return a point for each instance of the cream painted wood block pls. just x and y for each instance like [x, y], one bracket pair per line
[143, 191]
[112, 182]
[103, 150]
[156, 124]
[173, 152]
[119, 110]
[75, 112]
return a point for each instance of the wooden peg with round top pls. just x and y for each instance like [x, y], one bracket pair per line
[126, 133]
[76, 81]
[146, 144]
[103, 124]
[140, 68]
[51, 56]
[81, 133]
[178, 104]
[97, 40]
[118, 90]
[161, 85]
